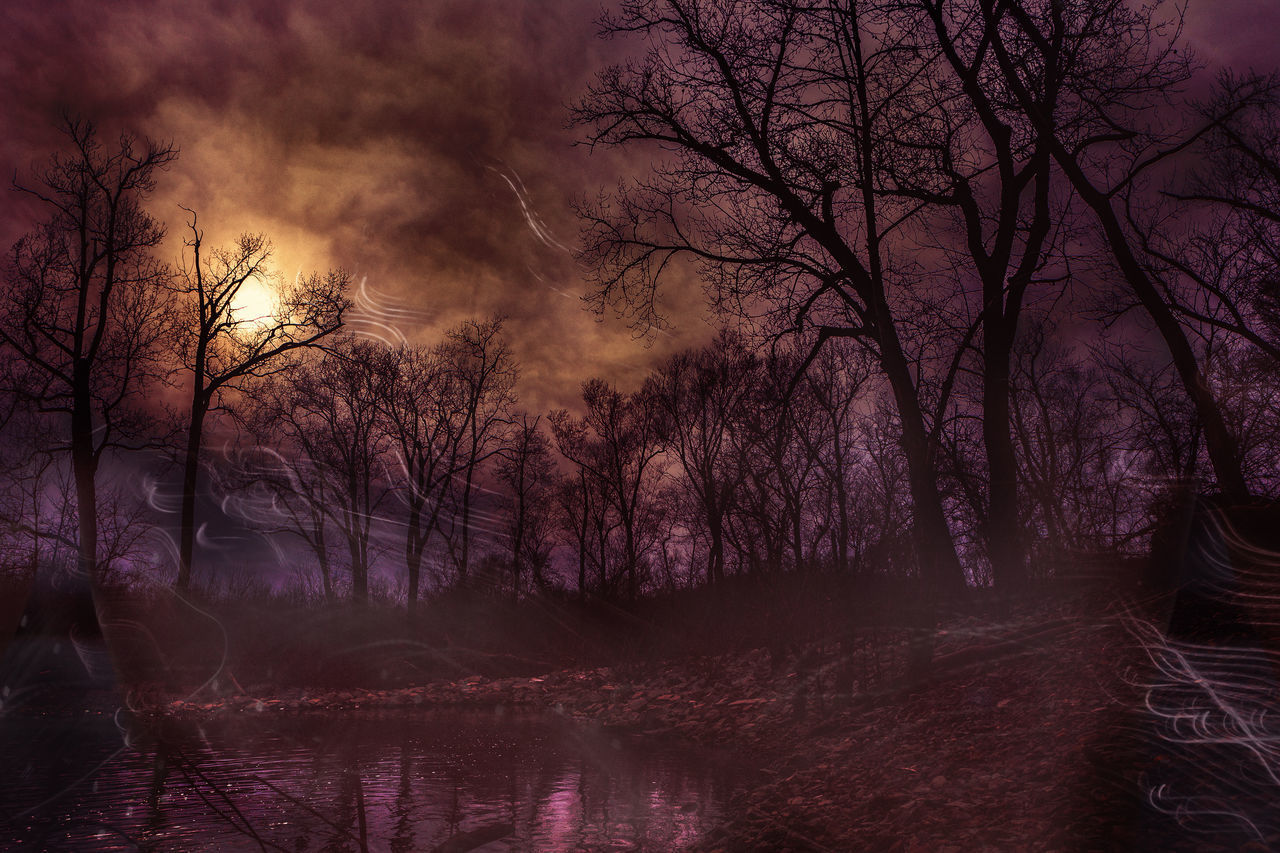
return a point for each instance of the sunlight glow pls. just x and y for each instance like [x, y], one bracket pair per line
[255, 303]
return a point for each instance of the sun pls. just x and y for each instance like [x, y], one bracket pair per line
[255, 303]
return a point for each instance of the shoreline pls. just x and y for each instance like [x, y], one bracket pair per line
[998, 749]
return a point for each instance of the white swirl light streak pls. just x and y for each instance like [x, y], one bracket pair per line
[1214, 704]
[531, 217]
[157, 500]
[380, 317]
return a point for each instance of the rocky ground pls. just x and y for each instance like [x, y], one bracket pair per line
[1024, 736]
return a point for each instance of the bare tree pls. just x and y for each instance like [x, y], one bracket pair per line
[582, 512]
[83, 305]
[992, 167]
[885, 491]
[837, 380]
[278, 489]
[1075, 444]
[776, 121]
[1122, 69]
[225, 341]
[700, 395]
[424, 412]
[526, 468]
[788, 431]
[328, 414]
[1216, 251]
[486, 372]
[32, 518]
[616, 442]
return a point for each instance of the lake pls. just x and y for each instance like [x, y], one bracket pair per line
[396, 781]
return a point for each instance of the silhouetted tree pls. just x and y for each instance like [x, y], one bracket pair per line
[1076, 466]
[83, 307]
[1122, 70]
[700, 397]
[33, 510]
[616, 442]
[992, 167]
[525, 467]
[423, 405]
[486, 371]
[778, 123]
[326, 414]
[836, 381]
[578, 501]
[224, 342]
[283, 486]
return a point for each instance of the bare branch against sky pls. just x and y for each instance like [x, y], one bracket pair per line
[423, 147]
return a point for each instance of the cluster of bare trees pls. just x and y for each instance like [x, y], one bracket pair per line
[730, 461]
[95, 328]
[929, 178]
[998, 285]
[378, 445]
[109, 351]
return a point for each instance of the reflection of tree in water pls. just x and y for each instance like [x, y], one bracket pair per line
[400, 782]
[351, 807]
[403, 806]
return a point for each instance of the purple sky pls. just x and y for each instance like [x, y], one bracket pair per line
[421, 145]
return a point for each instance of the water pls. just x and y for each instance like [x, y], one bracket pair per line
[392, 781]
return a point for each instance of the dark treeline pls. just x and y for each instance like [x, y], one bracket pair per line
[996, 291]
[1055, 262]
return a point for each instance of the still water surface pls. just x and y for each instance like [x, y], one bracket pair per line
[394, 781]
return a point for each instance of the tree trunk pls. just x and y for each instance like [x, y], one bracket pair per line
[715, 560]
[797, 535]
[86, 507]
[413, 562]
[1003, 528]
[631, 562]
[842, 512]
[464, 559]
[190, 479]
[359, 568]
[84, 467]
[934, 546]
[413, 559]
[1221, 444]
[517, 545]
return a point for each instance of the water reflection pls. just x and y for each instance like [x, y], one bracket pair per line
[396, 782]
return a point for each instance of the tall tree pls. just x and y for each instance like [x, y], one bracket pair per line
[701, 395]
[1122, 68]
[1221, 266]
[580, 503]
[328, 414]
[776, 122]
[616, 443]
[286, 491]
[992, 167]
[836, 382]
[237, 324]
[423, 407]
[485, 370]
[526, 468]
[83, 305]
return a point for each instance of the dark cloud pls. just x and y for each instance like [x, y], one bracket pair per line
[422, 146]
[1238, 33]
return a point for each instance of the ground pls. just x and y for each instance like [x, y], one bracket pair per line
[1024, 734]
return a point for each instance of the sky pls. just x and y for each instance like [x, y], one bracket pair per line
[423, 146]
